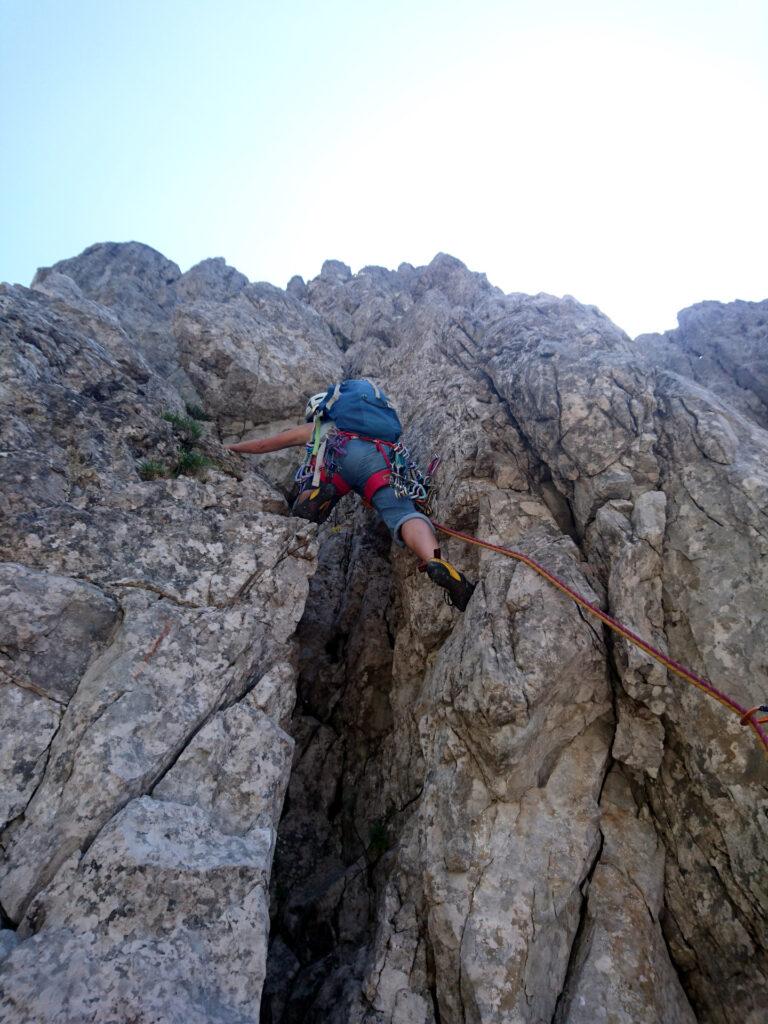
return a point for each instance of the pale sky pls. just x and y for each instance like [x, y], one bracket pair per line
[616, 151]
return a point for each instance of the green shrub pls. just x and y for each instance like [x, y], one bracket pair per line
[150, 469]
[190, 463]
[196, 413]
[184, 425]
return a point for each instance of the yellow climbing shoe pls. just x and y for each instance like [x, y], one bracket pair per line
[458, 589]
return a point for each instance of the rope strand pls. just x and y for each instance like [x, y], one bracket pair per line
[746, 715]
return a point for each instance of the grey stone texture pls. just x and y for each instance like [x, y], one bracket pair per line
[147, 651]
[253, 770]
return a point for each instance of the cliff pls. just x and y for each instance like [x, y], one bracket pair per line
[246, 762]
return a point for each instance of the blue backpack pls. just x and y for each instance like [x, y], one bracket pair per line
[361, 408]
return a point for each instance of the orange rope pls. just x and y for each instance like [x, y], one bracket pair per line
[746, 715]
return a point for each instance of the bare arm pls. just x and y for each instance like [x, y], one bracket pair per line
[285, 439]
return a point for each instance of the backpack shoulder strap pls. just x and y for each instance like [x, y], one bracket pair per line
[377, 391]
[330, 402]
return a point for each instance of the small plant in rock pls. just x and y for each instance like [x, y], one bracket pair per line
[189, 433]
[151, 469]
[184, 425]
[196, 413]
[378, 839]
[190, 463]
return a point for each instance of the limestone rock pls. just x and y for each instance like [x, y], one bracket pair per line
[138, 617]
[621, 971]
[501, 816]
[160, 885]
[254, 351]
[297, 287]
[8, 941]
[29, 722]
[553, 420]
[137, 283]
[724, 347]
[210, 280]
[236, 769]
[50, 627]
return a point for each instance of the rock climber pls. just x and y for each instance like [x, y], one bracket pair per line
[351, 436]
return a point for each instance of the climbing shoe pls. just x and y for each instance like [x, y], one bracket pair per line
[316, 503]
[458, 589]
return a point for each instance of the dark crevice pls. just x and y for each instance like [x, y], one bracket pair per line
[334, 648]
[5, 920]
[432, 979]
[581, 939]
[338, 826]
[665, 919]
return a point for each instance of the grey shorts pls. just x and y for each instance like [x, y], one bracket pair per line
[359, 461]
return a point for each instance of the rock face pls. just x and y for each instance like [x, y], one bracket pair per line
[146, 652]
[505, 816]
[723, 347]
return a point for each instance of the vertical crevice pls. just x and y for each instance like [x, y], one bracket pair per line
[666, 924]
[432, 981]
[336, 824]
[581, 938]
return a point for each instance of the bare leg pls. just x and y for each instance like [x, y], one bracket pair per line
[419, 536]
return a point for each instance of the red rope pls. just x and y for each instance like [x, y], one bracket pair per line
[746, 715]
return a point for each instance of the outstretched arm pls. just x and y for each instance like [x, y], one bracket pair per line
[285, 439]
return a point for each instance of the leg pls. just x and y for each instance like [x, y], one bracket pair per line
[409, 527]
[413, 529]
[419, 536]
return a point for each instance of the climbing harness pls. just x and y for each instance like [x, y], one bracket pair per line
[746, 715]
[401, 473]
[357, 408]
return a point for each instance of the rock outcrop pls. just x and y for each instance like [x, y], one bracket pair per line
[256, 771]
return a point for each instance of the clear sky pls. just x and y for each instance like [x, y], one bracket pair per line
[616, 151]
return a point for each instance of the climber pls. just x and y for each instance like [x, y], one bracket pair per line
[351, 433]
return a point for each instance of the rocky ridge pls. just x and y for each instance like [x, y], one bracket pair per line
[239, 754]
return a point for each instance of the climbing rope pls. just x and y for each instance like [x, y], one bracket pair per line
[746, 715]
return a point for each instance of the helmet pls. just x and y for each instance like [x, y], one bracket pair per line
[312, 405]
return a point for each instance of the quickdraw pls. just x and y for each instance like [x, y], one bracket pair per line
[407, 480]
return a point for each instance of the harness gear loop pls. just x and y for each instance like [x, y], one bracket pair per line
[745, 715]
